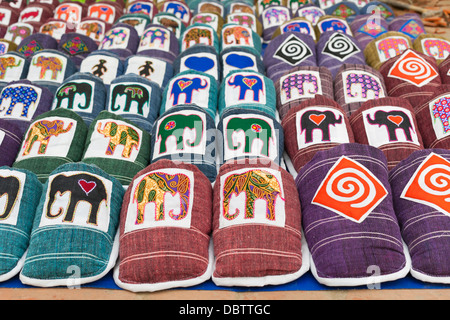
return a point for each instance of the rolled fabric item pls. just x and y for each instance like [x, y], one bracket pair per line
[137, 20]
[103, 64]
[56, 28]
[117, 146]
[199, 34]
[77, 46]
[235, 35]
[93, 28]
[347, 10]
[54, 138]
[19, 31]
[186, 133]
[244, 230]
[134, 98]
[13, 67]
[11, 15]
[191, 87]
[422, 212]
[336, 48]
[171, 22]
[240, 58]
[385, 47]
[411, 75]
[142, 6]
[122, 39]
[409, 23]
[288, 50]
[70, 11]
[432, 45]
[147, 240]
[107, 11]
[159, 42]
[300, 84]
[51, 3]
[63, 239]
[378, 7]
[247, 20]
[22, 101]
[298, 24]
[249, 90]
[314, 125]
[310, 12]
[10, 140]
[261, 5]
[35, 43]
[213, 6]
[433, 118]
[214, 20]
[355, 84]
[35, 13]
[154, 69]
[348, 233]
[239, 6]
[202, 58]
[332, 23]
[390, 125]
[84, 94]
[272, 17]
[444, 71]
[178, 8]
[367, 27]
[23, 192]
[250, 134]
[7, 46]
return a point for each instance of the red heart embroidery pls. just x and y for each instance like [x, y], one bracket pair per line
[184, 84]
[317, 118]
[87, 186]
[249, 82]
[395, 119]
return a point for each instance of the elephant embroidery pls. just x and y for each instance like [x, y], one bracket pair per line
[275, 16]
[437, 48]
[196, 35]
[154, 186]
[27, 96]
[391, 47]
[115, 38]
[176, 9]
[334, 25]
[10, 187]
[68, 12]
[92, 28]
[441, 110]
[53, 64]
[252, 83]
[360, 85]
[253, 128]
[305, 84]
[242, 19]
[41, 132]
[119, 134]
[186, 86]
[82, 187]
[140, 7]
[392, 121]
[133, 93]
[236, 35]
[151, 35]
[318, 120]
[102, 11]
[78, 95]
[256, 184]
[7, 62]
[175, 125]
[17, 32]
[299, 26]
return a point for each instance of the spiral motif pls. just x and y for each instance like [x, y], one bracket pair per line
[351, 185]
[435, 180]
[340, 45]
[294, 50]
[415, 67]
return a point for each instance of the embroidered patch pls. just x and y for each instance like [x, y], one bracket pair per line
[155, 38]
[274, 16]
[5, 15]
[70, 12]
[384, 125]
[170, 22]
[429, 184]
[197, 35]
[436, 48]
[180, 10]
[245, 88]
[162, 198]
[77, 198]
[180, 132]
[189, 89]
[114, 140]
[150, 68]
[234, 35]
[252, 196]
[293, 51]
[249, 135]
[299, 84]
[47, 66]
[19, 101]
[310, 13]
[11, 192]
[104, 67]
[31, 14]
[304, 27]
[130, 98]
[390, 47]
[76, 95]
[243, 19]
[94, 29]
[141, 7]
[75, 46]
[333, 24]
[414, 69]
[238, 60]
[372, 28]
[350, 190]
[201, 61]
[30, 48]
[316, 125]
[11, 67]
[50, 137]
[343, 11]
[340, 47]
[115, 38]
[56, 29]
[412, 29]
[360, 86]
[440, 116]
[102, 11]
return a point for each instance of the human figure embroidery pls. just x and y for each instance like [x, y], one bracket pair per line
[146, 69]
[100, 68]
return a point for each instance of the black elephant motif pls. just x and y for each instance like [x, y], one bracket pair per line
[71, 90]
[9, 186]
[133, 92]
[321, 120]
[392, 120]
[82, 187]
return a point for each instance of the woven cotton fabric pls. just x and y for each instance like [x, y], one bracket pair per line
[444, 71]
[10, 142]
[423, 213]
[433, 45]
[346, 235]
[155, 240]
[74, 242]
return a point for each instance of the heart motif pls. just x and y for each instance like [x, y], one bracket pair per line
[317, 118]
[249, 82]
[395, 119]
[184, 84]
[86, 186]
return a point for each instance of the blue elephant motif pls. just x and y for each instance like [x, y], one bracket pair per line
[186, 86]
[178, 10]
[25, 95]
[247, 82]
